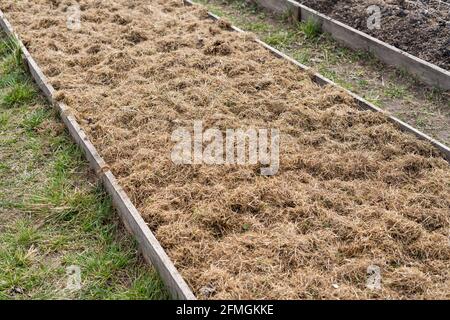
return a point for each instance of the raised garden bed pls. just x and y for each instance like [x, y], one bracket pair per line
[409, 39]
[352, 191]
[421, 28]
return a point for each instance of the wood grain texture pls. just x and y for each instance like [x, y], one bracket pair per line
[355, 39]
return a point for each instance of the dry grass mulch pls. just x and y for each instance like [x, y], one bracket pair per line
[352, 190]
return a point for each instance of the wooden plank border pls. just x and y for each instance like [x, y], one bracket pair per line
[149, 245]
[355, 39]
[321, 80]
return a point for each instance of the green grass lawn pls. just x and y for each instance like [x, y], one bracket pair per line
[53, 213]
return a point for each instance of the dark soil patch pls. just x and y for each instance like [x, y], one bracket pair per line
[421, 28]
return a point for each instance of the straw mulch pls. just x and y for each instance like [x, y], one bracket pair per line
[352, 190]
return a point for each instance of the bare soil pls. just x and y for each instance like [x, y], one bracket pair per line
[352, 191]
[421, 28]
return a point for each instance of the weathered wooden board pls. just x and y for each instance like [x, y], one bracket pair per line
[149, 245]
[355, 39]
[151, 248]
